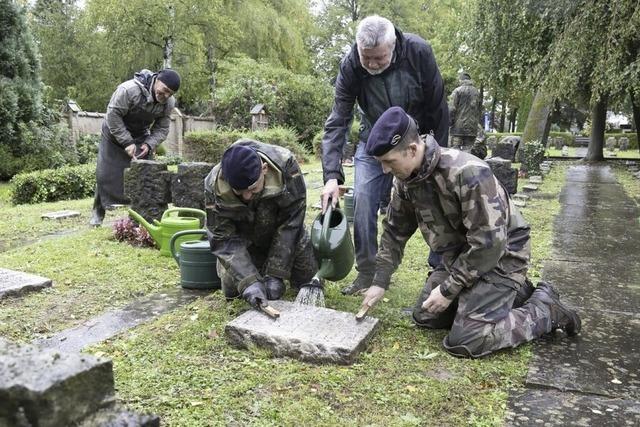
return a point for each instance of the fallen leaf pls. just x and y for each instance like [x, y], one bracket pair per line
[213, 334]
[595, 411]
[411, 389]
[385, 299]
[193, 317]
[196, 403]
[396, 345]
[616, 381]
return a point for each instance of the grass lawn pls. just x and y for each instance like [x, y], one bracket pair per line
[627, 154]
[180, 366]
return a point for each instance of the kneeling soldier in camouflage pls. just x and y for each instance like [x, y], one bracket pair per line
[464, 213]
[256, 202]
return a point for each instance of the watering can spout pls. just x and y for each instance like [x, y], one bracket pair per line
[154, 230]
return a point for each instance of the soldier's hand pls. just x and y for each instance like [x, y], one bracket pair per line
[330, 190]
[255, 294]
[372, 296]
[131, 150]
[436, 303]
[274, 286]
[144, 150]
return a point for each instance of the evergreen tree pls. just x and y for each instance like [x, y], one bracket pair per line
[20, 88]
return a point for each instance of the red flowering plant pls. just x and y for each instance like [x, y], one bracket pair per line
[127, 230]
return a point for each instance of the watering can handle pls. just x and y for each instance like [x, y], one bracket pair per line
[174, 238]
[326, 222]
[197, 212]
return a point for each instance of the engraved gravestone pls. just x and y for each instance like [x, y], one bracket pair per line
[15, 283]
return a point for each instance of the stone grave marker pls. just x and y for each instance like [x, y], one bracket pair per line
[624, 143]
[60, 214]
[535, 179]
[308, 333]
[529, 188]
[50, 388]
[519, 203]
[16, 283]
[565, 151]
[520, 196]
[507, 175]
[611, 143]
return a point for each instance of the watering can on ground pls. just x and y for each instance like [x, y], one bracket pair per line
[171, 223]
[197, 263]
[332, 245]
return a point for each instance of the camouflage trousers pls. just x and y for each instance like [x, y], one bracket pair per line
[493, 314]
[469, 144]
[304, 266]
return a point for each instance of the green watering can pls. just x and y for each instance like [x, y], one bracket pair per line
[197, 263]
[170, 224]
[332, 245]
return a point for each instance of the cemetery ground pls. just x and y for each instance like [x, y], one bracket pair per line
[180, 367]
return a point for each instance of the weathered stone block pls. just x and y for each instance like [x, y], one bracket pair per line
[187, 187]
[507, 148]
[535, 179]
[16, 283]
[47, 388]
[118, 416]
[520, 196]
[529, 188]
[60, 215]
[520, 203]
[508, 176]
[148, 185]
[312, 334]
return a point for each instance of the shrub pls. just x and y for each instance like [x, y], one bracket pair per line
[50, 185]
[300, 102]
[87, 148]
[208, 146]
[353, 138]
[533, 156]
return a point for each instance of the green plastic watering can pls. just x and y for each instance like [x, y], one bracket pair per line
[171, 223]
[332, 245]
[197, 263]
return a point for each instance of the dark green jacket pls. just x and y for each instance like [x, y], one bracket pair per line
[463, 213]
[464, 110]
[412, 81]
[272, 224]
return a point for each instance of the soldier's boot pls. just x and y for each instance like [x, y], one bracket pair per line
[523, 294]
[562, 317]
[359, 286]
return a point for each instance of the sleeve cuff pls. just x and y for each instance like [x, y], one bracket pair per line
[450, 290]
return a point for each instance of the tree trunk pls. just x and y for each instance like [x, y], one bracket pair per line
[636, 117]
[211, 63]
[493, 114]
[481, 106]
[598, 122]
[167, 50]
[538, 120]
[503, 113]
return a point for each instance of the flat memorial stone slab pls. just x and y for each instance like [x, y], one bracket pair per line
[519, 203]
[51, 388]
[16, 283]
[535, 179]
[555, 408]
[60, 215]
[528, 188]
[520, 196]
[311, 334]
[610, 287]
[603, 359]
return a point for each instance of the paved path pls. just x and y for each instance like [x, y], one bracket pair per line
[592, 379]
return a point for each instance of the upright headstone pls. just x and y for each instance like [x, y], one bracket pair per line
[147, 184]
[624, 143]
[558, 142]
[507, 175]
[187, 188]
[491, 142]
[611, 143]
[507, 148]
[565, 151]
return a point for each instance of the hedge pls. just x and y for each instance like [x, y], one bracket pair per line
[569, 138]
[50, 185]
[208, 146]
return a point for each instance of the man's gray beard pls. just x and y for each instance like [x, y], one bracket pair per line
[375, 72]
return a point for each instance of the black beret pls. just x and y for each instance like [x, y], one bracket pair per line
[170, 78]
[388, 131]
[241, 166]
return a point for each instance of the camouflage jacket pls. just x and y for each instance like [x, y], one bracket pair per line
[133, 113]
[464, 213]
[464, 110]
[270, 224]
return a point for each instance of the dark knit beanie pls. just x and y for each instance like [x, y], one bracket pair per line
[170, 78]
[241, 166]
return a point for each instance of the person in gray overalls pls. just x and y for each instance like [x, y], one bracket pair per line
[137, 121]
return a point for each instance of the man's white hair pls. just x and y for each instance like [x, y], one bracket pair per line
[374, 31]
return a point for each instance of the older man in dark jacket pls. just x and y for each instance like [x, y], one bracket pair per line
[256, 202]
[137, 121]
[384, 68]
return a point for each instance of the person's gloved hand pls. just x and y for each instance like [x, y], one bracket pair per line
[275, 287]
[255, 294]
